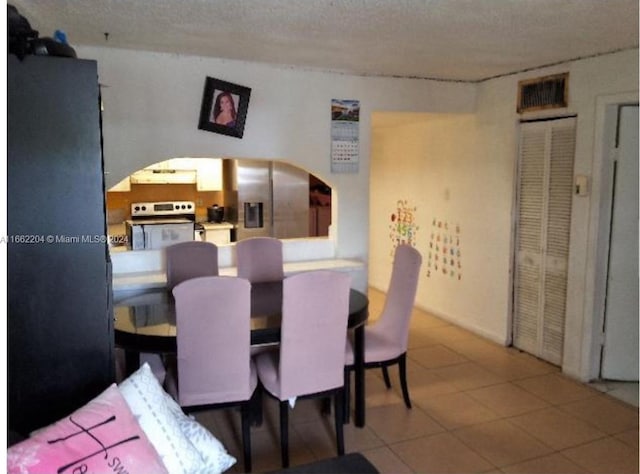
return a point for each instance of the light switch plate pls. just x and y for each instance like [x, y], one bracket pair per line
[582, 185]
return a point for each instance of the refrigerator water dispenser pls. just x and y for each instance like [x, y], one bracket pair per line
[253, 215]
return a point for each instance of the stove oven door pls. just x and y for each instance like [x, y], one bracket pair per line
[135, 235]
[158, 236]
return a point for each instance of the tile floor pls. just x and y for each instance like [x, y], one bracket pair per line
[477, 408]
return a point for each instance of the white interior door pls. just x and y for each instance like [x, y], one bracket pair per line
[544, 199]
[620, 351]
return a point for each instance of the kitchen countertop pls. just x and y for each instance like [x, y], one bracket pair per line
[216, 225]
[158, 278]
[120, 228]
[140, 270]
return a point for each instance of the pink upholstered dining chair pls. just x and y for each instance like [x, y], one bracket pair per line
[184, 260]
[259, 259]
[387, 339]
[213, 367]
[192, 259]
[310, 362]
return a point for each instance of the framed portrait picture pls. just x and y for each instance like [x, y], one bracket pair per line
[224, 107]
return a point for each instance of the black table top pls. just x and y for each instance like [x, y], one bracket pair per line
[147, 322]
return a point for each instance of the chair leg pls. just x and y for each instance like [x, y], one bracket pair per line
[284, 432]
[246, 434]
[338, 402]
[385, 375]
[346, 406]
[255, 407]
[402, 366]
[326, 405]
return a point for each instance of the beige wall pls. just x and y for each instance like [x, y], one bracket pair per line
[455, 194]
[461, 168]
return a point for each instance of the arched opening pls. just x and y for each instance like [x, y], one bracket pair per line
[241, 197]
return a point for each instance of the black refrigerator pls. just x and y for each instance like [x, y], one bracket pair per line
[59, 309]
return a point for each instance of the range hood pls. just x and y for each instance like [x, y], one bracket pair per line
[164, 176]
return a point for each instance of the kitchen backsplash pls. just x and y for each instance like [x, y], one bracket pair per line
[119, 203]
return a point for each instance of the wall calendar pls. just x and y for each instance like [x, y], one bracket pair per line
[345, 139]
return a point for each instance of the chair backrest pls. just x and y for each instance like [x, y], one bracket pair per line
[188, 260]
[315, 310]
[213, 337]
[401, 295]
[259, 259]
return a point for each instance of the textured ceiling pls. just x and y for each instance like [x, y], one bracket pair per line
[463, 40]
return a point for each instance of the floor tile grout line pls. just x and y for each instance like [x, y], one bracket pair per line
[600, 437]
[549, 403]
[480, 454]
[511, 382]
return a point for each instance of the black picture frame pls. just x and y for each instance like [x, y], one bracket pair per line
[214, 92]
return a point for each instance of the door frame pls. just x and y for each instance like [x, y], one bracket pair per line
[597, 264]
[615, 358]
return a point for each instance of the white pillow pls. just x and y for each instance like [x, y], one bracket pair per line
[147, 401]
[211, 450]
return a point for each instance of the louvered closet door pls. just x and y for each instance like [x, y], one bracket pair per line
[545, 187]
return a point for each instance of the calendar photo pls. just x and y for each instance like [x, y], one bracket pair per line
[345, 139]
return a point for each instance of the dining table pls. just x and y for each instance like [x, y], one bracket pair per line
[146, 323]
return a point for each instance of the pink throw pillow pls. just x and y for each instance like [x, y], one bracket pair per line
[102, 436]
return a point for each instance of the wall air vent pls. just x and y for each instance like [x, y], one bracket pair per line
[548, 92]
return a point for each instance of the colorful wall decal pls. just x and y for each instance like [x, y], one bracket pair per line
[444, 257]
[403, 228]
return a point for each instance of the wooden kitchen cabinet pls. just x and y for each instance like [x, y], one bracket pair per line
[324, 220]
[313, 221]
[208, 171]
[59, 303]
[319, 221]
[209, 174]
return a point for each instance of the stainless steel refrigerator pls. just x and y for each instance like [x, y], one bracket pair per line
[272, 199]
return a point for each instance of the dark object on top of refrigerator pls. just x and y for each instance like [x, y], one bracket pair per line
[19, 33]
[50, 47]
[23, 40]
